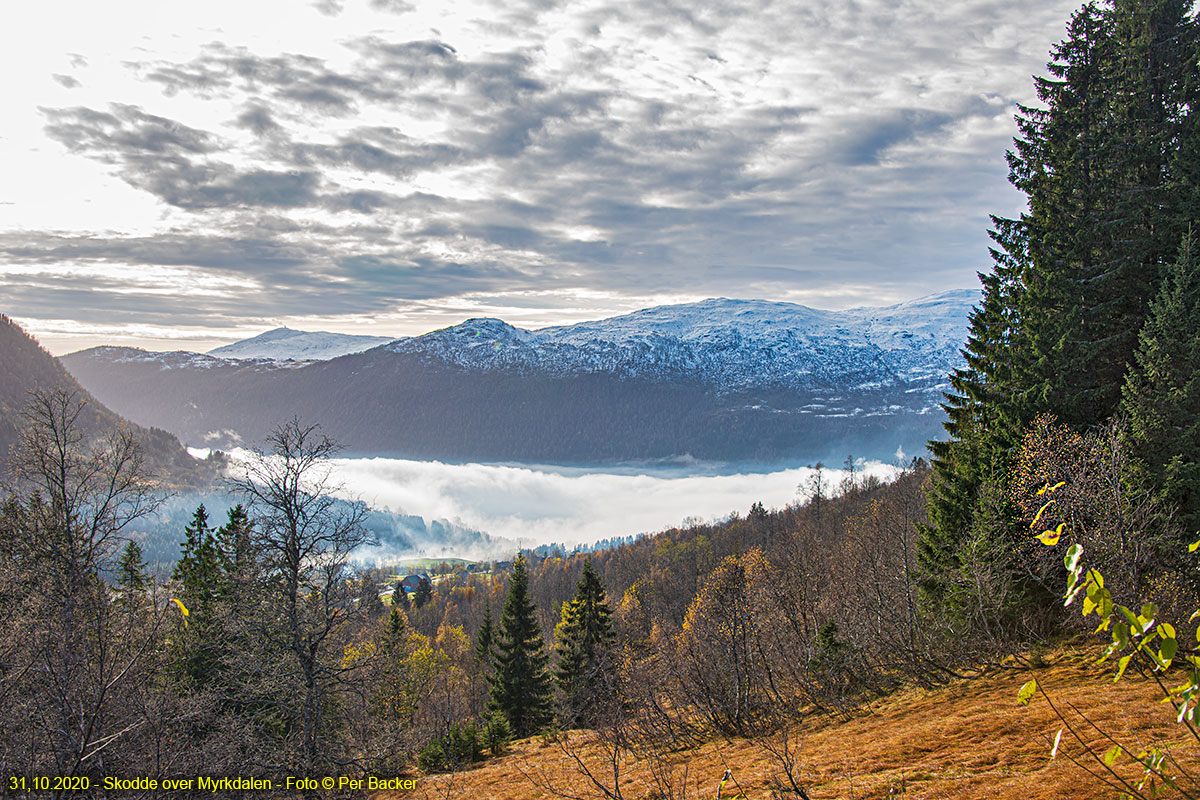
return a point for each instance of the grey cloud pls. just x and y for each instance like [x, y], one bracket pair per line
[124, 130]
[361, 202]
[262, 251]
[382, 150]
[303, 80]
[393, 6]
[166, 158]
[66, 80]
[424, 278]
[258, 120]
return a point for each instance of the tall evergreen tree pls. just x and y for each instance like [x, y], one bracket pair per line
[131, 576]
[235, 550]
[201, 580]
[400, 595]
[1162, 391]
[585, 635]
[1105, 166]
[974, 455]
[397, 629]
[520, 687]
[196, 532]
[485, 639]
[424, 592]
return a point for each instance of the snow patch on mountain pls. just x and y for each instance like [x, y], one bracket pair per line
[178, 359]
[283, 344]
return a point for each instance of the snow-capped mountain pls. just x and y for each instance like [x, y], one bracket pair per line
[284, 344]
[728, 344]
[721, 380]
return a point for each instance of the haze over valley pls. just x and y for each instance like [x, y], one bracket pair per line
[693, 411]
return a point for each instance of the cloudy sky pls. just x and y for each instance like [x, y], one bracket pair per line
[182, 175]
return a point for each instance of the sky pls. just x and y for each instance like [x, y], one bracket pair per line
[180, 176]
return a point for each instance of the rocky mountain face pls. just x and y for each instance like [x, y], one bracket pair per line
[723, 380]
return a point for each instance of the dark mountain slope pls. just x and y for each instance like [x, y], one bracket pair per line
[401, 404]
[719, 380]
[26, 367]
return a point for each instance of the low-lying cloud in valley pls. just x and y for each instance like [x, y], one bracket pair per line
[538, 505]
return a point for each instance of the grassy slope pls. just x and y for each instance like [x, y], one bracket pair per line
[968, 740]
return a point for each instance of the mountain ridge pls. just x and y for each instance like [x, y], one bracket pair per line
[286, 343]
[722, 380]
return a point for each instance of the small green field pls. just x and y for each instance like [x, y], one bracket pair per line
[429, 564]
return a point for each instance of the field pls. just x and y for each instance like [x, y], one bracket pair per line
[969, 740]
[426, 564]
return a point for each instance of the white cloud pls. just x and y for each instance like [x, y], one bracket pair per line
[846, 153]
[570, 506]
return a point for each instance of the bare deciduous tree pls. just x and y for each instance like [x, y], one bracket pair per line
[73, 673]
[305, 534]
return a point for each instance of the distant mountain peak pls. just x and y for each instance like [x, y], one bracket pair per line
[282, 344]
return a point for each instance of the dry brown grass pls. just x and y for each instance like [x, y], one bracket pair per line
[967, 740]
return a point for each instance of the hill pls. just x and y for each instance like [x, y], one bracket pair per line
[27, 367]
[968, 740]
[284, 343]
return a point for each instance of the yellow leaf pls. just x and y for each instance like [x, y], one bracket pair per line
[1039, 513]
[182, 608]
[1050, 538]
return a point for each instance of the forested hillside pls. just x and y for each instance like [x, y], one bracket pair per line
[25, 368]
[1087, 315]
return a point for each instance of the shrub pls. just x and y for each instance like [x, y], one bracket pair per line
[497, 733]
[461, 745]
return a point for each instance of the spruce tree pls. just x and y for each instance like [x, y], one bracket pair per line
[1109, 174]
[485, 639]
[197, 532]
[1162, 391]
[973, 456]
[585, 635]
[397, 630]
[400, 596]
[131, 576]
[424, 592]
[201, 581]
[236, 553]
[520, 687]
